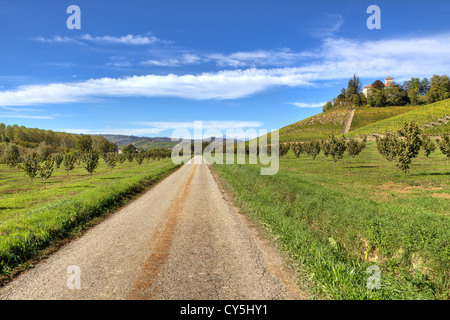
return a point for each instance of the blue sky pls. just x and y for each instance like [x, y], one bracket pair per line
[148, 67]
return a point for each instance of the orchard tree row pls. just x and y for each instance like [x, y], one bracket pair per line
[86, 156]
[405, 145]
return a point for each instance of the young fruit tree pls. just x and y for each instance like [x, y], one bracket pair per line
[387, 146]
[284, 149]
[68, 162]
[110, 159]
[337, 148]
[408, 145]
[354, 147]
[325, 146]
[90, 161]
[121, 158]
[428, 145]
[12, 155]
[312, 149]
[58, 160]
[31, 165]
[444, 145]
[296, 149]
[140, 156]
[46, 170]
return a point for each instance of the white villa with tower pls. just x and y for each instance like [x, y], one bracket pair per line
[388, 81]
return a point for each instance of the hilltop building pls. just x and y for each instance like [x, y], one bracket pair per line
[389, 81]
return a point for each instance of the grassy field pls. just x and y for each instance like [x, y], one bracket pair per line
[31, 217]
[421, 115]
[335, 222]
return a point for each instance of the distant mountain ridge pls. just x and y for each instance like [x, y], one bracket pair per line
[123, 140]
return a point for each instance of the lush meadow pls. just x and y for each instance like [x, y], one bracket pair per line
[336, 222]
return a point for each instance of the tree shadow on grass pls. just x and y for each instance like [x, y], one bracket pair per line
[432, 174]
[362, 167]
[11, 208]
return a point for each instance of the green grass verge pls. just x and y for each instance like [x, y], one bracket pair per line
[24, 234]
[334, 223]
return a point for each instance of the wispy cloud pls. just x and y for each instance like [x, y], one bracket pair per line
[186, 59]
[128, 39]
[246, 59]
[56, 39]
[307, 105]
[135, 40]
[24, 116]
[259, 58]
[327, 25]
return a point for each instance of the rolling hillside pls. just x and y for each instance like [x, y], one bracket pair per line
[421, 115]
[315, 127]
[367, 116]
[366, 121]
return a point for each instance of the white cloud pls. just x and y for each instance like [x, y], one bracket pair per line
[137, 40]
[185, 59]
[308, 105]
[336, 59]
[220, 85]
[23, 116]
[56, 39]
[284, 57]
[128, 39]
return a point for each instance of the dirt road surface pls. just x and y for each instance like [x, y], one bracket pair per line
[180, 240]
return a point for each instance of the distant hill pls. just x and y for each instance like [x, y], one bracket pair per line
[140, 142]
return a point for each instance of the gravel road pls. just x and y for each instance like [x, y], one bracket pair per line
[181, 240]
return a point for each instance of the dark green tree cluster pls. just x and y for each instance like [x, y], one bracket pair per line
[350, 97]
[32, 138]
[439, 89]
[382, 96]
[413, 92]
